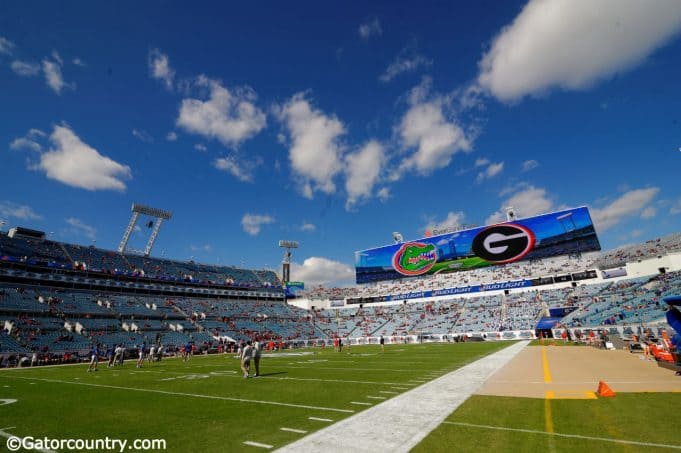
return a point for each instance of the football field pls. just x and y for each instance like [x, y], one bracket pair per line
[206, 404]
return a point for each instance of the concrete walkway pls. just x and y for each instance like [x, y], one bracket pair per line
[400, 423]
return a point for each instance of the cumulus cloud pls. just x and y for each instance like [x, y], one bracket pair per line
[322, 271]
[631, 203]
[229, 116]
[53, 76]
[78, 62]
[408, 60]
[491, 171]
[427, 130]
[315, 152]
[527, 202]
[25, 68]
[252, 223]
[78, 227]
[362, 170]
[9, 209]
[200, 147]
[77, 164]
[30, 142]
[242, 170]
[675, 208]
[171, 137]
[383, 194]
[571, 44]
[309, 227]
[370, 28]
[159, 68]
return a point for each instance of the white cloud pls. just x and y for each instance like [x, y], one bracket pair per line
[77, 164]
[408, 60]
[142, 135]
[632, 203]
[6, 46]
[527, 202]
[491, 171]
[200, 147]
[383, 194]
[29, 142]
[572, 44]
[370, 28]
[309, 227]
[252, 223]
[530, 165]
[159, 68]
[229, 116]
[53, 76]
[453, 220]
[315, 151]
[201, 248]
[322, 271]
[649, 212]
[362, 170]
[171, 137]
[25, 68]
[78, 227]
[17, 211]
[675, 208]
[241, 170]
[481, 162]
[78, 62]
[426, 128]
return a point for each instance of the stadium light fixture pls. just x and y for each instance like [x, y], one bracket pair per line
[397, 237]
[510, 214]
[159, 214]
[286, 262]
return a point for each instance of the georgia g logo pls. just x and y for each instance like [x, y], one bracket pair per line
[505, 243]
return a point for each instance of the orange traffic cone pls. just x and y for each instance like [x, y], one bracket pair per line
[604, 390]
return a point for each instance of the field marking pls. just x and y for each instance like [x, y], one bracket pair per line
[195, 395]
[257, 444]
[545, 365]
[293, 430]
[345, 368]
[317, 419]
[360, 403]
[377, 397]
[7, 435]
[571, 395]
[572, 436]
[416, 412]
[548, 418]
[388, 392]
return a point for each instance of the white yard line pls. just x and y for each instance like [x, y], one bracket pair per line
[317, 419]
[572, 436]
[400, 423]
[377, 397]
[194, 395]
[293, 430]
[257, 444]
[360, 403]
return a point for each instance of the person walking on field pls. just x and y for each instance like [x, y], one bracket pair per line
[257, 348]
[246, 358]
[382, 341]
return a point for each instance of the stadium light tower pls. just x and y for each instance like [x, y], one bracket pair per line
[286, 263]
[510, 214]
[138, 209]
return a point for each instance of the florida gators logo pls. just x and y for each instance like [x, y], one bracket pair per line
[415, 258]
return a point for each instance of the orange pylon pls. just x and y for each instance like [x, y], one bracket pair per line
[604, 390]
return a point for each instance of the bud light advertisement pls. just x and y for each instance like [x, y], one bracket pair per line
[559, 233]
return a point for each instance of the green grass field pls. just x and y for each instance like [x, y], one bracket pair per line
[206, 405]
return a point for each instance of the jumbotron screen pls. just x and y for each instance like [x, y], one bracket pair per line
[558, 233]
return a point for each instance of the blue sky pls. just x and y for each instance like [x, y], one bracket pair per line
[337, 123]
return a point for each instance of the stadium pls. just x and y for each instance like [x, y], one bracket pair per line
[424, 361]
[309, 226]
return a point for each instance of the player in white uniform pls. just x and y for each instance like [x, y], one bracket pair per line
[246, 358]
[257, 348]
